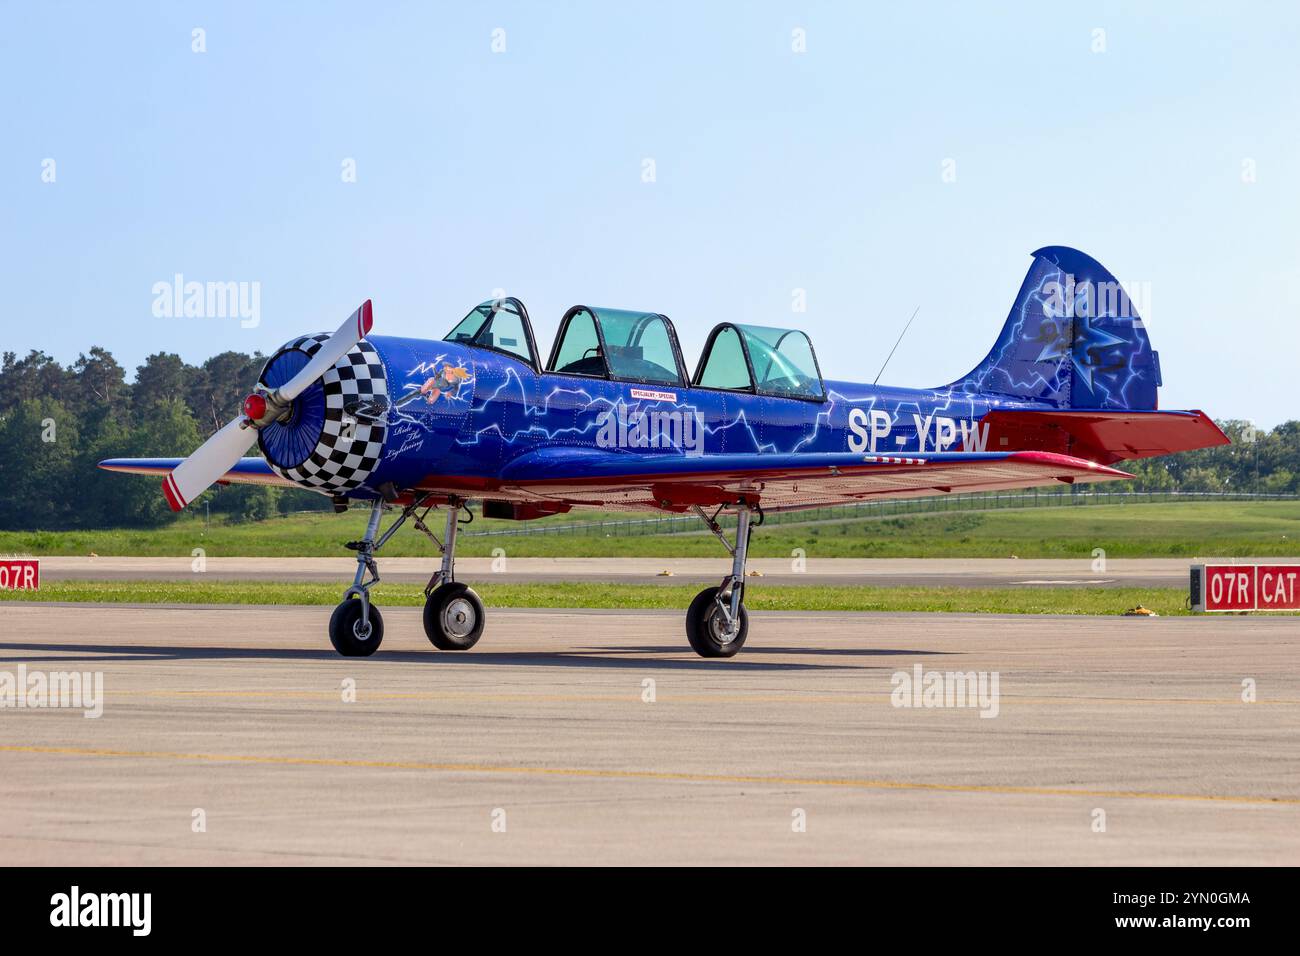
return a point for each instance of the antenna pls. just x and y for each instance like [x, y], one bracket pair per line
[895, 348]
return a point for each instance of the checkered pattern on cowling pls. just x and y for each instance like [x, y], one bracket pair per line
[337, 466]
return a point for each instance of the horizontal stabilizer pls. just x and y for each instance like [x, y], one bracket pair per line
[1102, 436]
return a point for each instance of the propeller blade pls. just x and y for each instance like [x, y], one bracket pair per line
[352, 331]
[222, 451]
[209, 462]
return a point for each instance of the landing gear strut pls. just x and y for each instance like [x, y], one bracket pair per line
[453, 614]
[357, 627]
[717, 622]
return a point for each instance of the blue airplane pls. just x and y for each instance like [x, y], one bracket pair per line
[613, 420]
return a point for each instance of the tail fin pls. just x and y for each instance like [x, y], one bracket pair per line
[1073, 340]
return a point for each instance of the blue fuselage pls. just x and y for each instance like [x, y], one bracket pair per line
[459, 411]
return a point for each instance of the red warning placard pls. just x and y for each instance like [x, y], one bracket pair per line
[22, 574]
[1246, 587]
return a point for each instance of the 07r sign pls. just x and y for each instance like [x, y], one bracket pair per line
[1246, 587]
[21, 575]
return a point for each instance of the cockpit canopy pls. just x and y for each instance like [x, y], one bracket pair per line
[754, 358]
[614, 343]
[500, 325]
[642, 347]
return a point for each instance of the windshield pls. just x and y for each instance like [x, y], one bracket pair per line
[724, 363]
[578, 350]
[500, 325]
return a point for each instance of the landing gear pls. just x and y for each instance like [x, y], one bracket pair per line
[717, 622]
[356, 627]
[453, 614]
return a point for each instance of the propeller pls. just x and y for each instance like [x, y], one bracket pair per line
[222, 451]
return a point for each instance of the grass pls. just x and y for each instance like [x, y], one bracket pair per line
[1177, 529]
[1059, 600]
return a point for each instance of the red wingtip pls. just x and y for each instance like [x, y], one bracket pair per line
[365, 319]
[172, 494]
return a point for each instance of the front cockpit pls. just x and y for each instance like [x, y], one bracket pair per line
[500, 325]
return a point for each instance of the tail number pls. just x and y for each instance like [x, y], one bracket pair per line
[866, 429]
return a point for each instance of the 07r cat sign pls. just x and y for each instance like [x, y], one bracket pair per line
[23, 574]
[1245, 587]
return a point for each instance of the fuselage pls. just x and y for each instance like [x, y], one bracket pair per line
[460, 411]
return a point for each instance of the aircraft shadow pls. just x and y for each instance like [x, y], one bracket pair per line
[617, 656]
[764, 649]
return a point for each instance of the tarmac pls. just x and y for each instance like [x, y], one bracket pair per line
[235, 735]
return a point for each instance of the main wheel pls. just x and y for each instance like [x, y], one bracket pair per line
[706, 626]
[349, 636]
[453, 617]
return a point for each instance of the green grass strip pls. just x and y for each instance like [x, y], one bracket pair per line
[1178, 530]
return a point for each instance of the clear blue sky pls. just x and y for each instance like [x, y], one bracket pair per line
[775, 170]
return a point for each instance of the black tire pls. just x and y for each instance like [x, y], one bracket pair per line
[345, 622]
[453, 617]
[705, 625]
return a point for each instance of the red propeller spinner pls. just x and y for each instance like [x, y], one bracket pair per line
[255, 407]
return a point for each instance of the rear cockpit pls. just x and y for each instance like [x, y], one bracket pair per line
[642, 347]
[761, 360]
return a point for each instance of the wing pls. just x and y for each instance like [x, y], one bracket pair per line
[247, 471]
[584, 477]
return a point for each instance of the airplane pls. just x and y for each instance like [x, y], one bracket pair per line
[612, 420]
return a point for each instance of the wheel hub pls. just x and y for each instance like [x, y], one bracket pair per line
[719, 628]
[459, 618]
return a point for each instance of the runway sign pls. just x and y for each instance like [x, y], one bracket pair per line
[20, 575]
[1245, 587]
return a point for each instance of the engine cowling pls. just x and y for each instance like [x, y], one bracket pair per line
[328, 440]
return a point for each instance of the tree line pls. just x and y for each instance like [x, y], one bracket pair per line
[57, 422]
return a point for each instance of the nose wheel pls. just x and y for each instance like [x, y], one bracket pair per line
[354, 634]
[453, 617]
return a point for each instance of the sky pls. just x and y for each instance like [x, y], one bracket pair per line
[707, 161]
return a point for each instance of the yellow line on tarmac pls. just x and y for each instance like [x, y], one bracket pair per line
[667, 776]
[668, 699]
